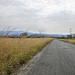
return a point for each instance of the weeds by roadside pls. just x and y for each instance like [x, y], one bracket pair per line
[72, 41]
[17, 51]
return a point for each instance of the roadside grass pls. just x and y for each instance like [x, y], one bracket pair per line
[16, 52]
[72, 41]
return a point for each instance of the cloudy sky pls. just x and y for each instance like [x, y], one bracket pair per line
[47, 16]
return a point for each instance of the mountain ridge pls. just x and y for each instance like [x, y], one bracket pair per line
[31, 34]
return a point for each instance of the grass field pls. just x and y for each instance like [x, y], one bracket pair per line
[17, 51]
[69, 40]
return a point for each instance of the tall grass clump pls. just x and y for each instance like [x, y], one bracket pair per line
[69, 40]
[17, 51]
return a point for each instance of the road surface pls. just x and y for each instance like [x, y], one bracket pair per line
[58, 58]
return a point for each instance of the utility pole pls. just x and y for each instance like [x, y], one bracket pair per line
[70, 32]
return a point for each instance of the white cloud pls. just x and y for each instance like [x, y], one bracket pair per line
[38, 14]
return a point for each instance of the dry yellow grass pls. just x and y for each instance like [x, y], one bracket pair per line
[19, 50]
[69, 40]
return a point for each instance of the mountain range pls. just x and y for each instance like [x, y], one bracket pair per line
[30, 34]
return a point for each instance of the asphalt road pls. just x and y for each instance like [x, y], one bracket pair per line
[58, 58]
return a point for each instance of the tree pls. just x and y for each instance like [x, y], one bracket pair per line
[24, 35]
[73, 35]
[63, 37]
[69, 36]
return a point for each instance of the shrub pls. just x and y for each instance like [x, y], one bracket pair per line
[9, 70]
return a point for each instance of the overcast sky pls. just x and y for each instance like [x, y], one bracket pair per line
[48, 16]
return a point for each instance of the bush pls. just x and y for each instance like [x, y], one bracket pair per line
[22, 60]
[9, 70]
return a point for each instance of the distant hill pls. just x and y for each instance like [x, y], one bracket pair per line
[30, 34]
[49, 35]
